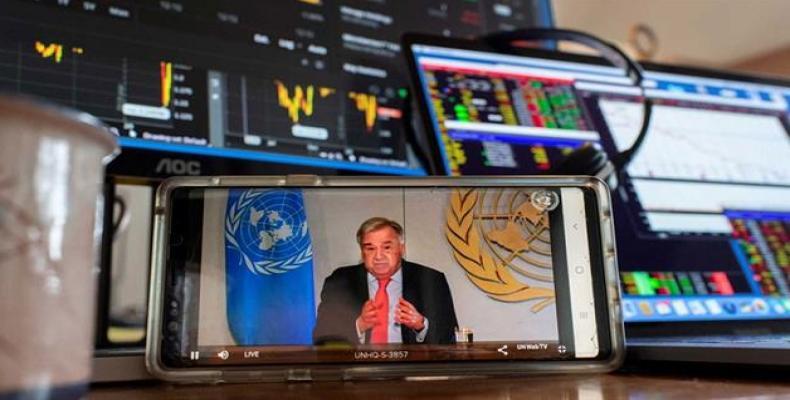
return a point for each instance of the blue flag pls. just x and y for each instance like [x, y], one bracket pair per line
[269, 267]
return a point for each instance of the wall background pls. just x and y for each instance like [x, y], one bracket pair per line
[713, 33]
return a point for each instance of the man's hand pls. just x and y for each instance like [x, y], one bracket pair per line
[368, 317]
[407, 314]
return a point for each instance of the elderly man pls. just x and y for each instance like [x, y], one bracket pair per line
[386, 299]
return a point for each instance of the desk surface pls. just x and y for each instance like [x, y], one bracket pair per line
[583, 387]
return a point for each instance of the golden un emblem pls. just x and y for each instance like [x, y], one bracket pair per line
[501, 239]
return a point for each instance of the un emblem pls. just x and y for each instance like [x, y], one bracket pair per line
[269, 230]
[497, 235]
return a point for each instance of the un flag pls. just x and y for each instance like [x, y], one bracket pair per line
[269, 267]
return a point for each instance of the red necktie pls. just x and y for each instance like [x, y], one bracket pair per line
[379, 334]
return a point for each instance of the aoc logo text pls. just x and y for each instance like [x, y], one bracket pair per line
[178, 166]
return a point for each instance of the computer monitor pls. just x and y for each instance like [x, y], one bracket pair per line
[224, 87]
[702, 211]
[227, 87]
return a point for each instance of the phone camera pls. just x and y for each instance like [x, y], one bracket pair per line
[545, 200]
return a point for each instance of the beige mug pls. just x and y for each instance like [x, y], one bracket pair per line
[51, 173]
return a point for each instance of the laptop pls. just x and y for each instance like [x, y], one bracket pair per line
[702, 211]
[714, 212]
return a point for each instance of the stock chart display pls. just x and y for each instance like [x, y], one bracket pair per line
[762, 241]
[143, 99]
[704, 232]
[303, 80]
[525, 101]
[504, 123]
[712, 287]
[668, 283]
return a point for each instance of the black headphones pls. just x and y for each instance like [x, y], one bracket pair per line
[588, 159]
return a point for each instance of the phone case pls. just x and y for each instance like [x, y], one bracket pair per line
[436, 370]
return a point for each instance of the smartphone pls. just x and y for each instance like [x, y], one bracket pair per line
[305, 278]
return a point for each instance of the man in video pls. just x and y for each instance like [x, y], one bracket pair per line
[386, 299]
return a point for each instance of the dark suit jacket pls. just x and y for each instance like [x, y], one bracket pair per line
[346, 290]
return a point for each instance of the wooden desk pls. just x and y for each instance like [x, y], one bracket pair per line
[582, 387]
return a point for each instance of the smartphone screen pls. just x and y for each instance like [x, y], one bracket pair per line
[382, 275]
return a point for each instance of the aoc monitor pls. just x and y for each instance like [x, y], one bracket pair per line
[238, 87]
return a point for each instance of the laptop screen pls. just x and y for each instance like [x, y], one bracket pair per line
[505, 115]
[702, 212]
[704, 230]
